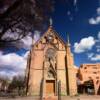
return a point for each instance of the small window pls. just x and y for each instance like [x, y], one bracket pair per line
[85, 67]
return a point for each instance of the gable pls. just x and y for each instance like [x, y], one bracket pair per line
[50, 37]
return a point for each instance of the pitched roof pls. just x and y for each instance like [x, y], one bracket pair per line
[55, 33]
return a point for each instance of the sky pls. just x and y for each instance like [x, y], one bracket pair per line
[78, 18]
[81, 20]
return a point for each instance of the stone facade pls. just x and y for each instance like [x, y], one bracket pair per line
[90, 72]
[50, 61]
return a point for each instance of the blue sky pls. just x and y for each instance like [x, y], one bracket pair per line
[79, 18]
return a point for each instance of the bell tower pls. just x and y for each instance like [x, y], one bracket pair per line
[71, 75]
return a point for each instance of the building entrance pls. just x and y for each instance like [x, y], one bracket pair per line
[50, 87]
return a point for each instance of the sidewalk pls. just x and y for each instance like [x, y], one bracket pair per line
[81, 97]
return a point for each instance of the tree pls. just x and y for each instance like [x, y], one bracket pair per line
[19, 17]
[17, 84]
[4, 81]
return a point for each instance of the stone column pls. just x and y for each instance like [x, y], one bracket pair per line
[71, 72]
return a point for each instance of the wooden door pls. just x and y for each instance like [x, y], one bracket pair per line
[50, 86]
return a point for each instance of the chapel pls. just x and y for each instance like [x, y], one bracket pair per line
[50, 61]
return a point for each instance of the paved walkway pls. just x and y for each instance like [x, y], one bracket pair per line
[81, 97]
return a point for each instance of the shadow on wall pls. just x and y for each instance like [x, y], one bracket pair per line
[86, 88]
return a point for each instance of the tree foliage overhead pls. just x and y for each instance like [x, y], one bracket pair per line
[19, 17]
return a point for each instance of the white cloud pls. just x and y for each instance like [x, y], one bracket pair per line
[90, 55]
[27, 42]
[12, 64]
[93, 56]
[11, 35]
[26, 55]
[98, 42]
[98, 49]
[99, 35]
[98, 10]
[23, 43]
[96, 57]
[10, 74]
[1, 52]
[36, 36]
[84, 45]
[96, 20]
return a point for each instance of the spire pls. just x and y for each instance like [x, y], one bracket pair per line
[51, 21]
[68, 38]
[32, 41]
[68, 41]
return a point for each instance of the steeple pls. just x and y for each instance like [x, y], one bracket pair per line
[71, 75]
[32, 42]
[51, 21]
[68, 41]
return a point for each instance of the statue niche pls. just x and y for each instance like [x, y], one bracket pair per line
[51, 63]
[50, 73]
